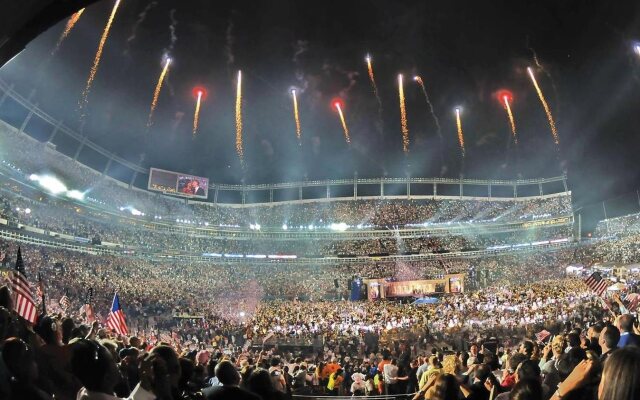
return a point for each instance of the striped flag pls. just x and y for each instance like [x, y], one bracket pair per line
[87, 308]
[64, 302]
[633, 299]
[24, 304]
[115, 320]
[597, 284]
[543, 335]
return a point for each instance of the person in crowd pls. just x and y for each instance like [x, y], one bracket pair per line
[509, 376]
[608, 341]
[627, 336]
[229, 378]
[359, 386]
[527, 389]
[334, 386]
[445, 387]
[22, 369]
[278, 375]
[527, 370]
[620, 379]
[390, 372]
[98, 374]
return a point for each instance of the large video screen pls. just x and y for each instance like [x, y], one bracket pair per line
[178, 184]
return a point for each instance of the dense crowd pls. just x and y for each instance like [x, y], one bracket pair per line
[522, 330]
[34, 157]
[466, 346]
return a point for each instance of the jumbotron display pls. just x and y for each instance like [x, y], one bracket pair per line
[178, 184]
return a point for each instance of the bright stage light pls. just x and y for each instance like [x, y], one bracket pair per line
[52, 184]
[339, 227]
[75, 194]
[33, 177]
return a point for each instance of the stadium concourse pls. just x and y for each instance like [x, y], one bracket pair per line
[258, 287]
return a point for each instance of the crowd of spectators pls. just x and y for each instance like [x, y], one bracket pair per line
[468, 345]
[33, 208]
[523, 330]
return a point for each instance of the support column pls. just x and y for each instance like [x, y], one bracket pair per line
[75, 157]
[489, 191]
[299, 192]
[579, 227]
[106, 167]
[135, 173]
[435, 190]
[5, 94]
[408, 187]
[328, 191]
[564, 183]
[540, 189]
[244, 196]
[133, 179]
[54, 132]
[355, 186]
[271, 195]
[27, 119]
[215, 195]
[381, 188]
[515, 191]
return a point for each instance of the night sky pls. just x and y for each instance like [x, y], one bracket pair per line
[465, 51]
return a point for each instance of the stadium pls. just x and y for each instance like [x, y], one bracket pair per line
[328, 234]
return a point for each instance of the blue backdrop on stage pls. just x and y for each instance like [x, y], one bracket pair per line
[356, 290]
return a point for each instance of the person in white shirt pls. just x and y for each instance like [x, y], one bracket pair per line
[390, 372]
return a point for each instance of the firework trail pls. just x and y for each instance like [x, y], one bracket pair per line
[373, 80]
[547, 110]
[96, 61]
[239, 148]
[156, 92]
[375, 92]
[403, 117]
[196, 114]
[344, 123]
[67, 29]
[512, 121]
[296, 115]
[460, 133]
[431, 110]
[547, 74]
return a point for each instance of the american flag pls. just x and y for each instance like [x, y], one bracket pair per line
[597, 284]
[24, 304]
[543, 335]
[115, 320]
[87, 308]
[64, 302]
[633, 299]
